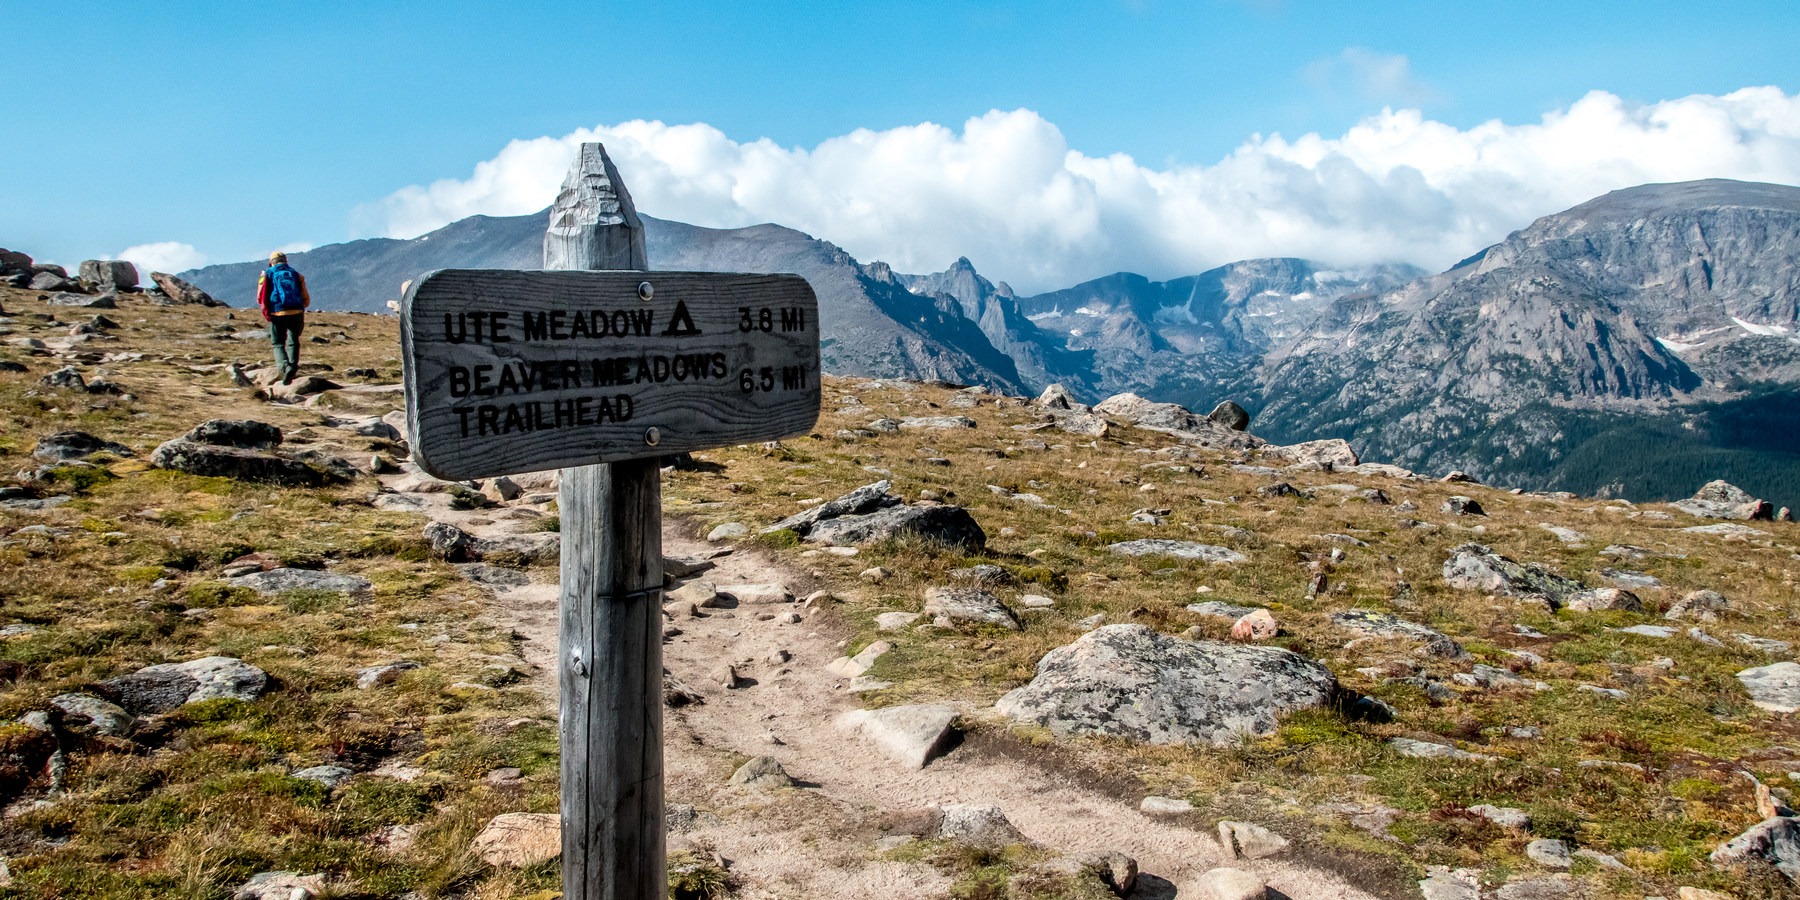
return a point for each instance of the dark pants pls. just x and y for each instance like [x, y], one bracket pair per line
[284, 333]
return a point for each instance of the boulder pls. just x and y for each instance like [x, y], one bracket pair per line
[50, 282]
[909, 735]
[67, 445]
[328, 776]
[1775, 687]
[952, 526]
[384, 674]
[1774, 841]
[758, 593]
[108, 300]
[1229, 415]
[87, 714]
[1178, 550]
[1131, 682]
[1598, 599]
[247, 434]
[182, 292]
[1701, 606]
[1255, 626]
[1243, 840]
[160, 688]
[1549, 852]
[313, 470]
[980, 826]
[1058, 397]
[936, 422]
[1177, 420]
[1723, 500]
[281, 580]
[1462, 506]
[1227, 884]
[1332, 452]
[281, 886]
[516, 840]
[1083, 424]
[65, 377]
[970, 605]
[865, 499]
[109, 274]
[1418, 749]
[763, 772]
[1476, 568]
[518, 549]
[1380, 624]
[448, 542]
[12, 262]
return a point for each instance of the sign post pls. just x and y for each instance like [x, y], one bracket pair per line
[600, 373]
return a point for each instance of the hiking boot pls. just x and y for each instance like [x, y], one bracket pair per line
[288, 376]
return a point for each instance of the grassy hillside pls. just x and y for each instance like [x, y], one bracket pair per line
[130, 571]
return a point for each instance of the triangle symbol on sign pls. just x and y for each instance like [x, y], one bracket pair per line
[681, 323]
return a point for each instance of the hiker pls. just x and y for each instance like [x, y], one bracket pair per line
[281, 292]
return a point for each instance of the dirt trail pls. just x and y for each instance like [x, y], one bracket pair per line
[819, 840]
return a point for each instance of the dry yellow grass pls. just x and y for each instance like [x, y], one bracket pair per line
[212, 804]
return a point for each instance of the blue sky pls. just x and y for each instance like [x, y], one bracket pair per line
[233, 129]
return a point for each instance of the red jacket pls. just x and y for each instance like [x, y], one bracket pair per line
[262, 295]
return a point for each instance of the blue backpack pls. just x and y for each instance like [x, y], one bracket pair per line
[284, 289]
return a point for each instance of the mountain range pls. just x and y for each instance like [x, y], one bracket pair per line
[1636, 345]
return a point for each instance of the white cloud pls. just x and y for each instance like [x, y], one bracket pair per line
[1381, 77]
[1009, 193]
[163, 256]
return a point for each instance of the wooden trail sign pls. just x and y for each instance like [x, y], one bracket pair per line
[519, 371]
[600, 373]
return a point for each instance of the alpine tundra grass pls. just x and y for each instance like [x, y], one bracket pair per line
[130, 572]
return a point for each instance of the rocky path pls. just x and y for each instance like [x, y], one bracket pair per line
[821, 839]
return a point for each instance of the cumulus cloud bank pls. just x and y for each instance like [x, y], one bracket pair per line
[1008, 192]
[163, 256]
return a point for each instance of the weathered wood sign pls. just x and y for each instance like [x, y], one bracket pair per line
[512, 371]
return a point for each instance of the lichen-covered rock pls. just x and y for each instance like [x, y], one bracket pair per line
[182, 292]
[515, 840]
[276, 581]
[1476, 568]
[1775, 688]
[1178, 550]
[109, 274]
[182, 455]
[1230, 415]
[909, 735]
[1380, 624]
[1600, 599]
[86, 714]
[1176, 419]
[1331, 452]
[970, 605]
[166, 686]
[949, 525]
[981, 826]
[1774, 841]
[1129, 681]
[448, 542]
[865, 499]
[66, 445]
[246, 433]
[1724, 500]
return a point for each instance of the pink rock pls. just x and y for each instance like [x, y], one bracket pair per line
[1255, 626]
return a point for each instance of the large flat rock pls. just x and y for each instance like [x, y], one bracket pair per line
[1177, 550]
[1775, 688]
[1131, 682]
[909, 735]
